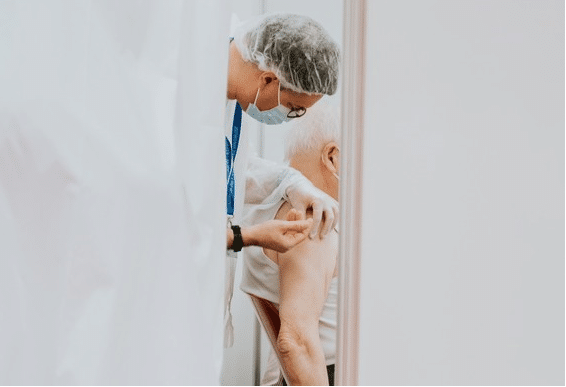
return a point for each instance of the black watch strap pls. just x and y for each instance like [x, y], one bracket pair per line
[238, 242]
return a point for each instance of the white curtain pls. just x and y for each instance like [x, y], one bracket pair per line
[112, 191]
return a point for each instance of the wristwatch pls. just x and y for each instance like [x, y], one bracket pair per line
[238, 242]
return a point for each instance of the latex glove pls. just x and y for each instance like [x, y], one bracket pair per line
[278, 235]
[302, 195]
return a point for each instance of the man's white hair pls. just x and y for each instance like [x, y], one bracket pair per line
[310, 133]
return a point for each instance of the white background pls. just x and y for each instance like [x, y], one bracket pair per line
[463, 198]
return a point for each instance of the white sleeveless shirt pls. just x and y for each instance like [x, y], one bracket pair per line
[260, 277]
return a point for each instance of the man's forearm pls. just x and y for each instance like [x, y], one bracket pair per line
[249, 236]
[278, 235]
[302, 357]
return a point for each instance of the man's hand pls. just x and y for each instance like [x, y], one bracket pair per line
[278, 235]
[303, 195]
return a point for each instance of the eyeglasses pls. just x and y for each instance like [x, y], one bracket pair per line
[297, 112]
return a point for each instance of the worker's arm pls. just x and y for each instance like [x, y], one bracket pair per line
[278, 235]
[305, 275]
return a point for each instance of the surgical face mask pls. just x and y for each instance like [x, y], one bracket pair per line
[274, 116]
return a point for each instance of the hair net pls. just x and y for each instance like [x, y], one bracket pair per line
[297, 49]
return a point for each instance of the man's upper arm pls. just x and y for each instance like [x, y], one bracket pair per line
[305, 275]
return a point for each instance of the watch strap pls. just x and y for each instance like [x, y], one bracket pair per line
[238, 242]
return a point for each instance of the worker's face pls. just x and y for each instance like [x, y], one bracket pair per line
[268, 86]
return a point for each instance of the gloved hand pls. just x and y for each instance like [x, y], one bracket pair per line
[302, 195]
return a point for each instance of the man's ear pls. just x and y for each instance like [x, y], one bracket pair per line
[331, 156]
[266, 78]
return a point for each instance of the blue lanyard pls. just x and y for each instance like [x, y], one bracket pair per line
[231, 151]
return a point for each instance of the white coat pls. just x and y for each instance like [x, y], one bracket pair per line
[255, 180]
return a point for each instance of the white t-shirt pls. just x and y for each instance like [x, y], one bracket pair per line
[260, 276]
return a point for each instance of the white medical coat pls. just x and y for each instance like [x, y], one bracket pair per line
[255, 180]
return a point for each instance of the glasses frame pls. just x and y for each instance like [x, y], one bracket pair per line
[296, 112]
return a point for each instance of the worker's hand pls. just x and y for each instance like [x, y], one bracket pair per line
[278, 235]
[303, 195]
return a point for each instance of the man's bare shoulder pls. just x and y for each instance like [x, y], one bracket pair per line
[321, 252]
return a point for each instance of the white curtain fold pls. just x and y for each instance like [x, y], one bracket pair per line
[112, 191]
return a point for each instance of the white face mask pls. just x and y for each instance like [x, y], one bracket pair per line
[274, 116]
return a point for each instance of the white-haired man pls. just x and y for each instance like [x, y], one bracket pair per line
[302, 282]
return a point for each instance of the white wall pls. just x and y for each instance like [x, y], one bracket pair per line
[463, 226]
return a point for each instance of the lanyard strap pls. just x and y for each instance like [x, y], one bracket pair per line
[231, 151]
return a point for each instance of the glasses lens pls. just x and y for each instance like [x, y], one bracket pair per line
[297, 113]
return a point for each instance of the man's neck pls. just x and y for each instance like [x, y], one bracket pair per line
[314, 171]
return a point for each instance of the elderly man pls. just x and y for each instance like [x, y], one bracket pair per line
[302, 282]
[280, 65]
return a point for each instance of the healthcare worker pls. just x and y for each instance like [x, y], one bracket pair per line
[279, 66]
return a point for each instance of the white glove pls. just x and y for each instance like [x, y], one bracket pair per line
[302, 195]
